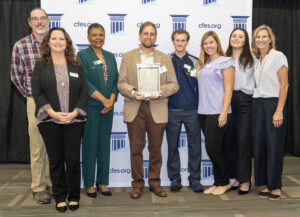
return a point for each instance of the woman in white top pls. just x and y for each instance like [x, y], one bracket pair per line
[268, 112]
[237, 140]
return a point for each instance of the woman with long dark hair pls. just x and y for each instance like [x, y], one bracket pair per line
[237, 141]
[60, 91]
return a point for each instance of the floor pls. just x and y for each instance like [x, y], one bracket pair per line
[16, 200]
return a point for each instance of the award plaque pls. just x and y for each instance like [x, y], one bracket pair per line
[148, 78]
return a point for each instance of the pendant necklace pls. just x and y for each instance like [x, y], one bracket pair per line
[261, 71]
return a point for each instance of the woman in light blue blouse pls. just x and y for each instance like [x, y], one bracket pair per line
[215, 80]
[237, 141]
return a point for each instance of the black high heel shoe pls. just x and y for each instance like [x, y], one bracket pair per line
[233, 188]
[93, 195]
[74, 207]
[106, 193]
[61, 208]
[241, 192]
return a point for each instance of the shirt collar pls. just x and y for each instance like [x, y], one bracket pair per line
[185, 56]
[33, 39]
[142, 53]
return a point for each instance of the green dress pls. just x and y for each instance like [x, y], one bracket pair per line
[97, 130]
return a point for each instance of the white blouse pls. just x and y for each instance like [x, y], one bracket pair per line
[266, 80]
[244, 78]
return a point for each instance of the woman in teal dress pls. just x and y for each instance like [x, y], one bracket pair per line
[102, 73]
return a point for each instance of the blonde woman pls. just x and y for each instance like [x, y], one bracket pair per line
[268, 112]
[215, 80]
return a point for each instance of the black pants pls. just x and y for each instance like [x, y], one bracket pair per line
[214, 136]
[63, 147]
[268, 143]
[237, 140]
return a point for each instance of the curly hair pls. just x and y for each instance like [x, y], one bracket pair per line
[246, 56]
[69, 52]
[203, 56]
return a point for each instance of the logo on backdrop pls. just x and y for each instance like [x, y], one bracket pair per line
[55, 20]
[209, 2]
[206, 169]
[118, 113]
[118, 143]
[82, 46]
[184, 170]
[145, 169]
[157, 25]
[182, 143]
[147, 2]
[117, 24]
[82, 2]
[209, 25]
[81, 24]
[179, 21]
[120, 170]
[240, 22]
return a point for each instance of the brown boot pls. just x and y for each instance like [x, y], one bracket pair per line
[158, 191]
[136, 192]
[41, 197]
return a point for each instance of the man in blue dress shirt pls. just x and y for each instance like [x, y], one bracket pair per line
[183, 110]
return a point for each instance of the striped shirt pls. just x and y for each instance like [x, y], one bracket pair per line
[24, 55]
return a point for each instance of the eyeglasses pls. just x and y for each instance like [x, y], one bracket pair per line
[36, 19]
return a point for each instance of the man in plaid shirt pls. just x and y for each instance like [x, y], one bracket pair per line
[24, 55]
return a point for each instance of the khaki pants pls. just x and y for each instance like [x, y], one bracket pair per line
[38, 155]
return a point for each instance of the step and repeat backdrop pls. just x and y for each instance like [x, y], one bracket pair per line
[121, 20]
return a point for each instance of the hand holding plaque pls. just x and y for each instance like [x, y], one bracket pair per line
[149, 80]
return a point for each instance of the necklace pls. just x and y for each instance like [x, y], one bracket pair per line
[261, 71]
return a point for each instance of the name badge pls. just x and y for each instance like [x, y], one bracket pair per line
[73, 74]
[187, 67]
[162, 69]
[194, 73]
[97, 62]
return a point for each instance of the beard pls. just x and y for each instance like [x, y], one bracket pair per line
[40, 31]
[147, 45]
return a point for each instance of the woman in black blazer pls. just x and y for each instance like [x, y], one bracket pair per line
[60, 91]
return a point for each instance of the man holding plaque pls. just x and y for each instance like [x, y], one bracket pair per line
[183, 110]
[146, 80]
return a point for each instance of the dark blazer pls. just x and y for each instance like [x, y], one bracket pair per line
[44, 87]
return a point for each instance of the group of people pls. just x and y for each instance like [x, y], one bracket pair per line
[237, 98]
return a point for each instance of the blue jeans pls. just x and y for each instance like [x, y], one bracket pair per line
[268, 143]
[189, 118]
